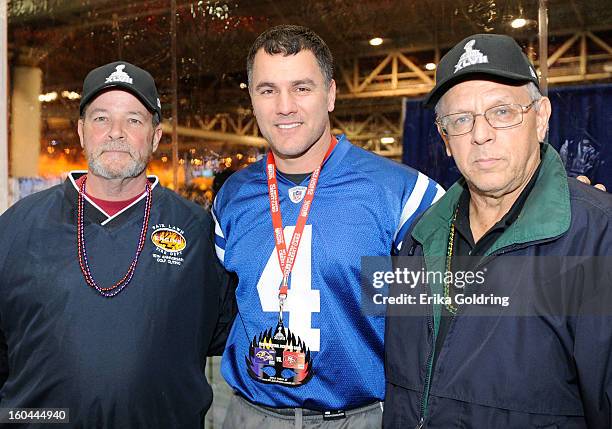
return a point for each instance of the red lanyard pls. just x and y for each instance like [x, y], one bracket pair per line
[286, 258]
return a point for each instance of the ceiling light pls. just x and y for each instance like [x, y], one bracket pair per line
[430, 66]
[518, 23]
[71, 95]
[387, 140]
[49, 96]
[376, 41]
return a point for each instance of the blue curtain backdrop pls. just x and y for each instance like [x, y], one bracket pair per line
[580, 129]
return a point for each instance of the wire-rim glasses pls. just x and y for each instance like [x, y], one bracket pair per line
[499, 117]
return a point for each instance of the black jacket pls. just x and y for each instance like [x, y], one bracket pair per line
[543, 361]
[132, 361]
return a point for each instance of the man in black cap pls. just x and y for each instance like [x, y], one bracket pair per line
[527, 342]
[111, 293]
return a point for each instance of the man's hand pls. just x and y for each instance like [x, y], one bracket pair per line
[586, 180]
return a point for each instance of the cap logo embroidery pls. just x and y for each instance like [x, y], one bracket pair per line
[119, 75]
[470, 57]
[532, 71]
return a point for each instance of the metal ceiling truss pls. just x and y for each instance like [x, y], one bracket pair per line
[583, 56]
[367, 132]
[579, 57]
[392, 75]
[241, 128]
[238, 128]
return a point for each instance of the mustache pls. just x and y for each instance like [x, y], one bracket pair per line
[114, 145]
[485, 155]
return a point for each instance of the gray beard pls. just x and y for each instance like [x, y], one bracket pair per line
[134, 168]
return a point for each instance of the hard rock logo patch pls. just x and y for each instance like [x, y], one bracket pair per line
[168, 240]
[170, 243]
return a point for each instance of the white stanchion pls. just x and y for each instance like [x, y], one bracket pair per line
[4, 186]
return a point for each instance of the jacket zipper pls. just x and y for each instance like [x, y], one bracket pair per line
[429, 360]
[421, 422]
[425, 396]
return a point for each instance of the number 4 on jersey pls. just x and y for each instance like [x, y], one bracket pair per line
[302, 300]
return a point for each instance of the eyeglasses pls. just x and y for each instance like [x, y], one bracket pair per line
[499, 117]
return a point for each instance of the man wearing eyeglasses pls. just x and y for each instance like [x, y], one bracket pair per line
[531, 344]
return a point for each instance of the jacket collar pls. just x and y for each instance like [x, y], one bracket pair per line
[545, 215]
[92, 211]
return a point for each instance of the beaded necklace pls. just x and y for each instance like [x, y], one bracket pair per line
[452, 309]
[83, 261]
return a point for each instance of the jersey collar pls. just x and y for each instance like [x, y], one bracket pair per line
[99, 215]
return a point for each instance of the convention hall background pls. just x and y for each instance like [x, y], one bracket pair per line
[385, 54]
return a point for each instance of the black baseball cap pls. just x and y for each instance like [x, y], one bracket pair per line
[482, 56]
[122, 75]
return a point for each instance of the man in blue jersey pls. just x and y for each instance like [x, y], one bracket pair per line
[294, 227]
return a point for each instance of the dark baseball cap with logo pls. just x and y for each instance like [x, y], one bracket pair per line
[482, 56]
[122, 75]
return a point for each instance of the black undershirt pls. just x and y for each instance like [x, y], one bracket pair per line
[296, 178]
[467, 254]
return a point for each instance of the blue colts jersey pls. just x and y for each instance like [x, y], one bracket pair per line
[362, 206]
